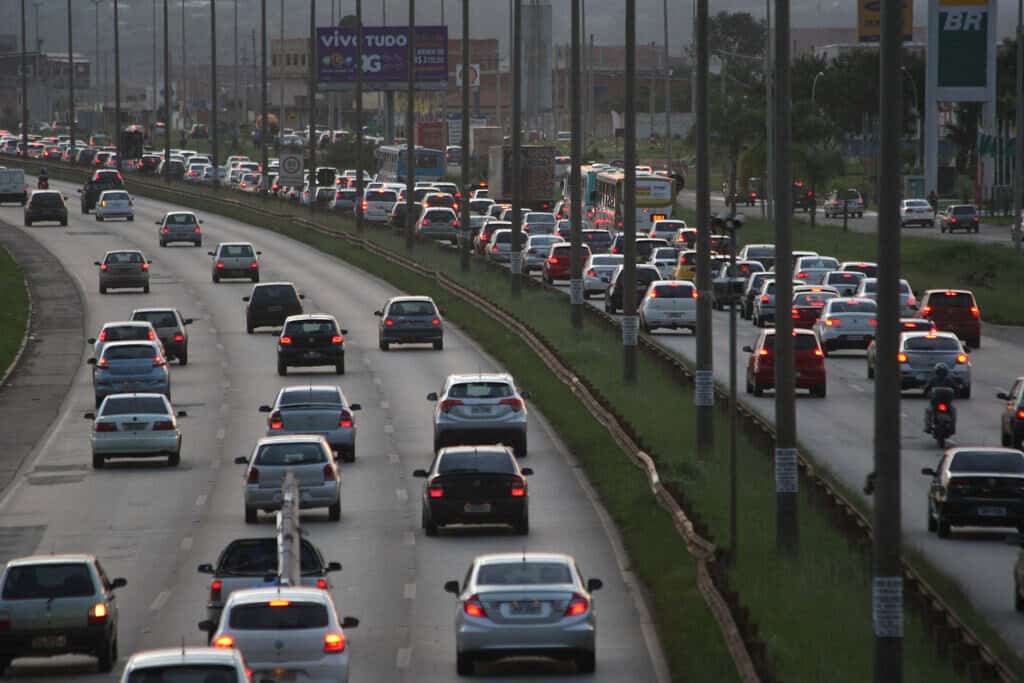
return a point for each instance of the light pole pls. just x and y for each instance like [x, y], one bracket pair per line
[39, 41]
[733, 224]
[71, 86]
[24, 84]
[575, 213]
[704, 392]
[167, 96]
[359, 114]
[410, 133]
[515, 258]
[214, 133]
[265, 125]
[1018, 161]
[465, 227]
[814, 89]
[630, 324]
[668, 87]
[96, 65]
[117, 87]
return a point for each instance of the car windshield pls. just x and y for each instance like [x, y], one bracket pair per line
[598, 238]
[820, 263]
[952, 299]
[524, 573]
[931, 343]
[157, 318]
[57, 580]
[305, 327]
[918, 204]
[503, 236]
[115, 196]
[850, 194]
[290, 454]
[412, 308]
[760, 252]
[258, 556]
[543, 240]
[133, 352]
[124, 257]
[184, 673]
[236, 251]
[987, 461]
[669, 226]
[381, 196]
[133, 405]
[665, 254]
[963, 210]
[180, 219]
[480, 390]
[538, 218]
[673, 291]
[298, 397]
[853, 306]
[476, 461]
[438, 215]
[844, 278]
[278, 615]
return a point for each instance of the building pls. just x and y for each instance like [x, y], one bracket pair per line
[812, 40]
[48, 84]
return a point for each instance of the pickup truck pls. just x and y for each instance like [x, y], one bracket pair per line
[253, 563]
[101, 181]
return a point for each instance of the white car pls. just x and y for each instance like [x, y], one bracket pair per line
[671, 304]
[868, 289]
[917, 212]
[124, 330]
[846, 323]
[377, 204]
[285, 634]
[115, 204]
[135, 425]
[845, 281]
[186, 664]
[597, 273]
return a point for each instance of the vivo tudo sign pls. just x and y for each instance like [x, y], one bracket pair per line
[385, 60]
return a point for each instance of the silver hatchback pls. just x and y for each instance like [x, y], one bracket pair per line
[180, 226]
[524, 604]
[308, 457]
[128, 367]
[124, 269]
[319, 409]
[480, 409]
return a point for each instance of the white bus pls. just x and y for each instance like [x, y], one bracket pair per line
[655, 200]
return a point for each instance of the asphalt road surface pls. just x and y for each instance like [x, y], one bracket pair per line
[153, 525]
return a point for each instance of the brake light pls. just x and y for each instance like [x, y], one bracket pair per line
[337, 339]
[942, 408]
[873, 322]
[215, 587]
[819, 353]
[901, 357]
[158, 362]
[104, 267]
[345, 421]
[285, 340]
[961, 358]
[98, 614]
[975, 219]
[765, 298]
[276, 421]
[163, 426]
[591, 273]
[763, 352]
[833, 322]
[975, 312]
[103, 335]
[220, 264]
[449, 403]
[952, 220]
[165, 230]
[577, 605]
[435, 321]
[254, 476]
[102, 363]
[321, 584]
[224, 642]
[911, 301]
[474, 608]
[197, 229]
[514, 403]
[435, 491]
[105, 427]
[553, 260]
[334, 643]
[179, 337]
[796, 313]
[366, 205]
[518, 489]
[388, 322]
[801, 275]
[1020, 414]
[254, 265]
[494, 249]
[925, 310]
[145, 266]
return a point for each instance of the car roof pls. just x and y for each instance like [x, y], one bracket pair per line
[234, 244]
[272, 284]
[309, 387]
[985, 449]
[928, 333]
[184, 655]
[480, 377]
[503, 558]
[309, 316]
[495, 448]
[250, 596]
[673, 283]
[138, 394]
[943, 291]
[127, 323]
[294, 438]
[130, 342]
[409, 298]
[62, 558]
[155, 310]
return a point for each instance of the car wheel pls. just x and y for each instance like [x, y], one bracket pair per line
[334, 512]
[429, 527]
[64, 223]
[932, 525]
[871, 371]
[750, 387]
[976, 231]
[339, 368]
[975, 343]
[248, 326]
[522, 525]
[4, 663]
[174, 459]
[383, 345]
[942, 527]
[818, 391]
[282, 367]
[183, 358]
[145, 289]
[28, 223]
[586, 662]
[98, 461]
[162, 243]
[1006, 440]
[464, 664]
[215, 278]
[251, 515]
[758, 389]
[99, 218]
[966, 392]
[256, 277]
[106, 657]
[103, 289]
[942, 228]
[439, 345]
[131, 219]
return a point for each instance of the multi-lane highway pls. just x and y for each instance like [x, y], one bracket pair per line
[153, 524]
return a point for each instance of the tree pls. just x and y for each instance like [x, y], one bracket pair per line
[738, 33]
[963, 132]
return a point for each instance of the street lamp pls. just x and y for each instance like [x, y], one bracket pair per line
[814, 86]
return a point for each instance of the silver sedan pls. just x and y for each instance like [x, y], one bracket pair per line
[597, 273]
[524, 604]
[309, 458]
[135, 425]
[315, 409]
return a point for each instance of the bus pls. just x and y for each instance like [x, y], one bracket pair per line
[655, 200]
[588, 187]
[430, 164]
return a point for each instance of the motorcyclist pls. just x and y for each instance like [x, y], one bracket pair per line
[940, 378]
[43, 181]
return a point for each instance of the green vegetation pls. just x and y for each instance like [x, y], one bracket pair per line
[14, 315]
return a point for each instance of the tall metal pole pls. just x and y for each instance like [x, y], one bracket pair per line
[117, 88]
[768, 206]
[515, 258]
[311, 61]
[668, 90]
[184, 68]
[24, 83]
[887, 587]
[71, 85]
[156, 96]
[167, 96]
[576, 212]
[98, 87]
[264, 103]
[410, 134]
[733, 412]
[1018, 160]
[585, 70]
[630, 324]
[465, 242]
[704, 395]
[786, 477]
[238, 99]
[359, 113]
[280, 85]
[214, 128]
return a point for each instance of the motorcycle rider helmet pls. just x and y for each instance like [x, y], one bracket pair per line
[43, 172]
[941, 370]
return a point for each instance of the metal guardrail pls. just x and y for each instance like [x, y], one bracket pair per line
[951, 634]
[289, 534]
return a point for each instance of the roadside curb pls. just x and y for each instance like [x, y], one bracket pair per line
[28, 327]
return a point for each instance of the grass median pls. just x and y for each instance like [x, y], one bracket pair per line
[813, 613]
[14, 314]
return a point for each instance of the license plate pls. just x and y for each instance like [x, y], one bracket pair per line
[480, 410]
[135, 426]
[274, 309]
[855, 337]
[523, 608]
[987, 511]
[675, 315]
[49, 642]
[312, 354]
[478, 507]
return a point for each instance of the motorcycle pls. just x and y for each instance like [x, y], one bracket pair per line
[943, 415]
[43, 184]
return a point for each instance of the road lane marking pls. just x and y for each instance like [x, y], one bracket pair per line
[856, 387]
[201, 500]
[213, 330]
[220, 347]
[410, 591]
[226, 384]
[402, 494]
[376, 380]
[366, 361]
[224, 364]
[186, 544]
[409, 538]
[394, 458]
[225, 408]
[160, 601]
[384, 405]
[403, 658]
[389, 429]
[221, 434]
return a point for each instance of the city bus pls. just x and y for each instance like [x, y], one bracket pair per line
[655, 200]
[430, 164]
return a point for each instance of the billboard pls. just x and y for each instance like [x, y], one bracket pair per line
[385, 58]
[962, 38]
[869, 21]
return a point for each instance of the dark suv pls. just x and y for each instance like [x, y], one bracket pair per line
[396, 219]
[645, 275]
[100, 181]
[311, 340]
[170, 329]
[270, 304]
[46, 205]
[956, 311]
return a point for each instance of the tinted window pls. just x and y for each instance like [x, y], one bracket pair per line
[983, 461]
[743, 269]
[236, 251]
[305, 396]
[310, 327]
[503, 237]
[523, 573]
[844, 278]
[412, 308]
[963, 210]
[258, 556]
[666, 253]
[819, 263]
[440, 200]
[157, 318]
[135, 405]
[180, 219]
[688, 258]
[290, 454]
[611, 260]
[760, 252]
[801, 342]
[262, 616]
[853, 307]
[918, 204]
[126, 333]
[480, 390]
[598, 238]
[274, 294]
[669, 225]
[381, 196]
[952, 299]
[128, 352]
[561, 251]
[65, 580]
[438, 215]
[811, 299]
[47, 199]
[537, 218]
[117, 196]
[479, 461]
[673, 292]
[185, 673]
[931, 344]
[124, 257]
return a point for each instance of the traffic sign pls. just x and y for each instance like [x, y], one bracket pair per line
[290, 171]
[474, 75]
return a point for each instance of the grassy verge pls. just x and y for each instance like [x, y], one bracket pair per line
[794, 602]
[14, 314]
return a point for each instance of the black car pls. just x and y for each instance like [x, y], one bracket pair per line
[475, 485]
[976, 486]
[599, 241]
[100, 182]
[396, 219]
[645, 275]
[270, 304]
[1012, 424]
[46, 205]
[171, 329]
[309, 341]
[410, 320]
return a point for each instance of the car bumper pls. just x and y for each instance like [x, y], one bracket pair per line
[499, 256]
[194, 237]
[46, 216]
[918, 379]
[439, 233]
[465, 435]
[83, 640]
[135, 443]
[506, 511]
[803, 380]
[411, 335]
[557, 273]
[311, 357]
[670, 319]
[331, 669]
[835, 340]
[982, 512]
[114, 282]
[482, 637]
[114, 213]
[321, 496]
[236, 272]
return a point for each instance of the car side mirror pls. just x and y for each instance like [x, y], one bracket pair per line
[527, 471]
[259, 253]
[378, 313]
[349, 622]
[188, 321]
[78, 191]
[205, 569]
[91, 361]
[264, 409]
[432, 396]
[451, 587]
[245, 298]
[182, 413]
[928, 471]
[157, 223]
[201, 222]
[420, 474]
[150, 261]
[524, 394]
[344, 331]
[119, 582]
[241, 460]
[89, 416]
[211, 253]
[302, 296]
[1003, 395]
[207, 626]
[97, 263]
[333, 567]
[91, 340]
[355, 406]
[594, 585]
[748, 349]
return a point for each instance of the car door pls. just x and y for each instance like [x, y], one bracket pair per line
[1012, 406]
[935, 486]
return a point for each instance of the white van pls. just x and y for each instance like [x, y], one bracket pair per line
[377, 204]
[12, 186]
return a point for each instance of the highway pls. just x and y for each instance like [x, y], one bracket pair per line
[153, 525]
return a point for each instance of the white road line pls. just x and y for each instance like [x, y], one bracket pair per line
[403, 658]
[856, 387]
[389, 429]
[226, 384]
[213, 330]
[225, 408]
[366, 361]
[402, 494]
[410, 591]
[376, 380]
[186, 544]
[224, 364]
[221, 433]
[201, 500]
[160, 601]
[220, 347]
[409, 538]
[384, 405]
[215, 464]
[394, 458]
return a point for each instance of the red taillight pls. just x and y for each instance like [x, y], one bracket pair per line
[321, 584]
[345, 421]
[224, 642]
[215, 587]
[254, 476]
[366, 205]
[942, 408]
[435, 321]
[220, 264]
[1020, 414]
[103, 335]
[145, 266]
[901, 357]
[975, 219]
[819, 353]
[833, 322]
[105, 427]
[961, 358]
[329, 473]
[514, 403]
[254, 265]
[765, 298]
[474, 608]
[911, 301]
[165, 230]
[591, 273]
[337, 339]
[276, 421]
[98, 614]
[158, 362]
[577, 606]
[796, 314]
[975, 312]
[197, 229]
[104, 267]
[952, 220]
[334, 643]
[285, 340]
[449, 403]
[518, 489]
[553, 260]
[388, 322]
[801, 276]
[926, 310]
[494, 249]
[179, 337]
[873, 322]
[163, 426]
[435, 491]
[763, 352]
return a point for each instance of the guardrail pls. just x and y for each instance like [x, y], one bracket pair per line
[749, 654]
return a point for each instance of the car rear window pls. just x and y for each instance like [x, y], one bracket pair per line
[812, 298]
[801, 342]
[128, 352]
[599, 238]
[688, 258]
[439, 215]
[477, 461]
[135, 405]
[478, 204]
[304, 327]
[440, 200]
[666, 253]
[963, 210]
[502, 237]
[276, 293]
[236, 251]
[819, 263]
[869, 285]
[291, 615]
[918, 204]
[539, 218]
[952, 300]
[412, 308]
[561, 251]
[669, 226]
[523, 573]
[381, 196]
[157, 318]
[931, 343]
[58, 580]
[480, 390]
[258, 556]
[184, 673]
[744, 269]
[844, 278]
[116, 196]
[987, 461]
[290, 454]
[296, 397]
[853, 306]
[673, 291]
[123, 257]
[610, 260]
[760, 252]
[126, 333]
[180, 219]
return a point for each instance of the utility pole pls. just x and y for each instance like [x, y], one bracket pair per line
[584, 73]
[653, 104]
[704, 386]
[24, 83]
[1018, 160]
[311, 61]
[576, 212]
[156, 97]
[769, 97]
[71, 85]
[214, 132]
[280, 66]
[117, 89]
[786, 475]
[184, 69]
[887, 587]
[98, 86]
[515, 258]
[465, 227]
[167, 96]
[359, 114]
[630, 323]
[264, 112]
[238, 99]
[410, 133]
[668, 90]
